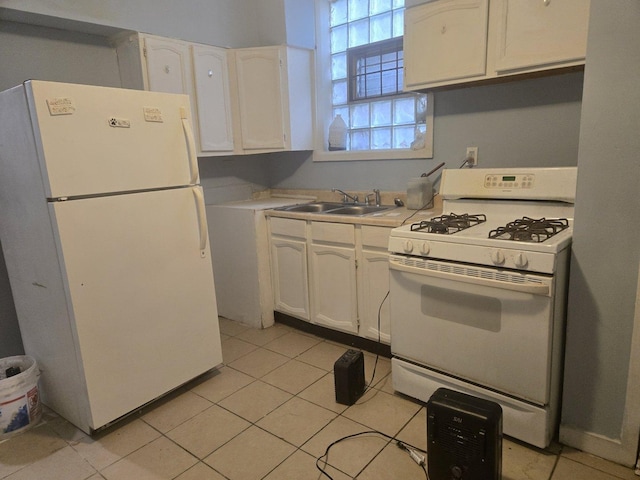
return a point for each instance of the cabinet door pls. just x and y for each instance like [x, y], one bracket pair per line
[258, 76]
[168, 67]
[542, 32]
[445, 40]
[290, 281]
[333, 285]
[373, 288]
[211, 76]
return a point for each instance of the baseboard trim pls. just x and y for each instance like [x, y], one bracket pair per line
[335, 336]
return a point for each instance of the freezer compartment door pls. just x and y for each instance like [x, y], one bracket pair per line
[95, 140]
[141, 295]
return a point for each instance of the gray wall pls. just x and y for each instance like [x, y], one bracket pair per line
[606, 247]
[526, 123]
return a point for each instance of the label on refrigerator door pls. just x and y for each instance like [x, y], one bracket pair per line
[61, 106]
[152, 114]
[119, 122]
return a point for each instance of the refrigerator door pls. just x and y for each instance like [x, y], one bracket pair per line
[94, 140]
[140, 293]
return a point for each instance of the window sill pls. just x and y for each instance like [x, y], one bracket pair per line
[355, 155]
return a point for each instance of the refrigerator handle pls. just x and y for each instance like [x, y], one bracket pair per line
[202, 220]
[191, 145]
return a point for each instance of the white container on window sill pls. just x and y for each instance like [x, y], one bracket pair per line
[338, 134]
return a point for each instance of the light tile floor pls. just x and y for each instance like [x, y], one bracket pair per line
[268, 413]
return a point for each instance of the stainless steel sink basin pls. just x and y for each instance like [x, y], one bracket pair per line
[334, 208]
[358, 210]
[316, 207]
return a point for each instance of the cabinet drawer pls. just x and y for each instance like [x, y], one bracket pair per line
[333, 232]
[375, 236]
[288, 227]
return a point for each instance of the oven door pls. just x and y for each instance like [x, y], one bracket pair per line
[488, 326]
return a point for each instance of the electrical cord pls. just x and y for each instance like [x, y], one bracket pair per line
[410, 449]
[407, 447]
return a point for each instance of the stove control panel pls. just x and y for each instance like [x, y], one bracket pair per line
[523, 180]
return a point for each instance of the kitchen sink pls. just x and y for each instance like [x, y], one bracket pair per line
[335, 208]
[358, 210]
[317, 207]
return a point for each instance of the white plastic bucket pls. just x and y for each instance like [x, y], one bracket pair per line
[19, 397]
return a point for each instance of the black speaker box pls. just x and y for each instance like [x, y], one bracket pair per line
[348, 373]
[464, 437]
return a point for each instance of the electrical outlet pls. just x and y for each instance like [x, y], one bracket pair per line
[472, 156]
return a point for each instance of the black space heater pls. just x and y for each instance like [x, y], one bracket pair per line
[464, 437]
[348, 374]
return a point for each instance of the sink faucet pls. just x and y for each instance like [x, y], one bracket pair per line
[346, 196]
[377, 192]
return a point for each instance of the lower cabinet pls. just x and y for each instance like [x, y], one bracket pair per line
[373, 284]
[332, 274]
[289, 266]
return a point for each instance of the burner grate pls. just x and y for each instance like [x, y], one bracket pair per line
[448, 224]
[531, 230]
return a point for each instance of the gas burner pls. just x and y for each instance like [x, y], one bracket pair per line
[527, 229]
[448, 224]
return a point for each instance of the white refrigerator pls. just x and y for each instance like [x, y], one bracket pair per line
[104, 233]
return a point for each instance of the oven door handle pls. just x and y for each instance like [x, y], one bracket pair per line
[534, 289]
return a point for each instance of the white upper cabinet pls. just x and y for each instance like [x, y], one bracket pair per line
[173, 66]
[274, 98]
[260, 97]
[445, 41]
[168, 65]
[450, 42]
[539, 33]
[211, 78]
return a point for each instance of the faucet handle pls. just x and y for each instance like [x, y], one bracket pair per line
[366, 199]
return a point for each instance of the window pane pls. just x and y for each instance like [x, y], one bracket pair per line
[381, 27]
[343, 112]
[373, 85]
[398, 3]
[403, 111]
[339, 93]
[381, 138]
[339, 39]
[421, 108]
[338, 12]
[359, 33]
[358, 9]
[360, 115]
[389, 82]
[403, 137]
[379, 6]
[398, 23]
[360, 140]
[338, 66]
[381, 113]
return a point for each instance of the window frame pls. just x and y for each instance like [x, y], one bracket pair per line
[323, 107]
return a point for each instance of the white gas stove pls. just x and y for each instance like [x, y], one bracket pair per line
[533, 207]
[477, 295]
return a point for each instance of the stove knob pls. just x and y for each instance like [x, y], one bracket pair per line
[408, 246]
[497, 257]
[424, 248]
[520, 260]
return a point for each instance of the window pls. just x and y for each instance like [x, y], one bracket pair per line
[360, 76]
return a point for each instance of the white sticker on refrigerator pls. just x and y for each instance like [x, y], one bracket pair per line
[61, 106]
[152, 114]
